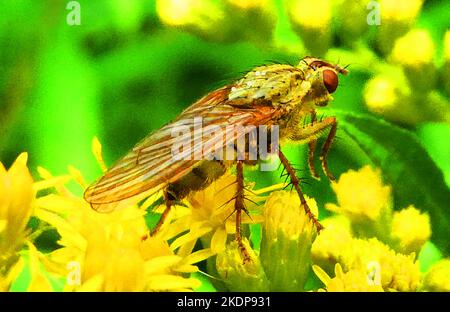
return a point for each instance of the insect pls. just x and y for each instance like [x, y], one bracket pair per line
[277, 94]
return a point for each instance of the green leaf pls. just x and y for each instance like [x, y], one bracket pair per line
[406, 166]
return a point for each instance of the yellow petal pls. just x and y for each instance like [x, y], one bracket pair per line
[2, 225]
[95, 283]
[338, 271]
[321, 274]
[189, 237]
[171, 282]
[271, 188]
[38, 281]
[52, 182]
[46, 175]
[186, 249]
[78, 177]
[97, 151]
[160, 264]
[68, 233]
[198, 256]
[151, 200]
[186, 268]
[219, 240]
[21, 160]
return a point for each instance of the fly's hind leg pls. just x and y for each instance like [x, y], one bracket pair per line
[239, 206]
[296, 183]
[168, 200]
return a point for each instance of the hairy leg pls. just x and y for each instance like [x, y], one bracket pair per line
[326, 148]
[310, 133]
[311, 150]
[239, 207]
[164, 215]
[296, 183]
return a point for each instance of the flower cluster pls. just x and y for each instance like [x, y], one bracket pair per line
[368, 245]
[365, 246]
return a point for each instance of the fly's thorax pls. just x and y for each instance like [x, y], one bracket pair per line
[279, 85]
[292, 121]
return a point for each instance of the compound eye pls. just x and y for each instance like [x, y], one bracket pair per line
[330, 79]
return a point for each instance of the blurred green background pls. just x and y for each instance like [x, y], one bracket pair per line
[131, 66]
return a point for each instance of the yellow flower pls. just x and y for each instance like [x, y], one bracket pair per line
[396, 19]
[287, 235]
[400, 10]
[353, 280]
[414, 52]
[16, 197]
[411, 229]
[202, 17]
[313, 14]
[438, 277]
[210, 216]
[108, 252]
[408, 52]
[311, 20]
[333, 239]
[365, 200]
[396, 271]
[16, 207]
[352, 25]
[239, 275]
[389, 94]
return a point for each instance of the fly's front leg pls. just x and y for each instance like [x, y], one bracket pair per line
[239, 206]
[311, 149]
[296, 183]
[310, 133]
[326, 148]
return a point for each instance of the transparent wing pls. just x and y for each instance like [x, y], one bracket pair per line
[150, 165]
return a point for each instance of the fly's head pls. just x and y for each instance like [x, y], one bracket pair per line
[322, 77]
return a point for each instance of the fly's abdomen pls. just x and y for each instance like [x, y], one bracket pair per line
[197, 179]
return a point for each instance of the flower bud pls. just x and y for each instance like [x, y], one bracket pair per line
[366, 201]
[287, 236]
[438, 278]
[240, 275]
[411, 229]
[414, 52]
[311, 19]
[397, 17]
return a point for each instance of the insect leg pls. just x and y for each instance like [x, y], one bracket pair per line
[239, 206]
[311, 149]
[296, 183]
[326, 147]
[164, 215]
[314, 130]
